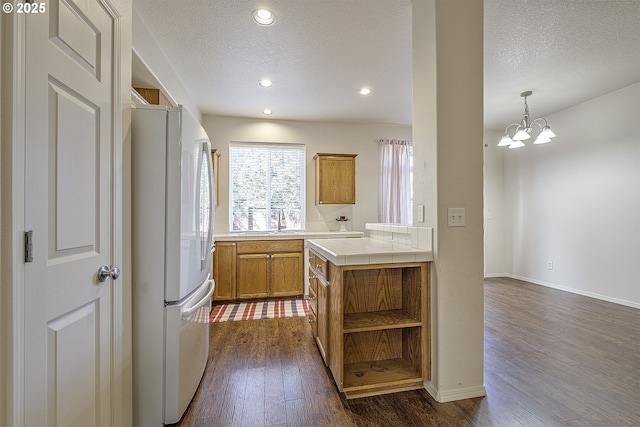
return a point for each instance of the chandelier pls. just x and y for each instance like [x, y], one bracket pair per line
[524, 128]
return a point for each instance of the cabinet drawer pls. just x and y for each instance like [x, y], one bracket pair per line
[269, 246]
[318, 263]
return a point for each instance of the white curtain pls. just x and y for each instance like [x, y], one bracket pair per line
[394, 200]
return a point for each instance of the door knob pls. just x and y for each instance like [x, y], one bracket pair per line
[105, 273]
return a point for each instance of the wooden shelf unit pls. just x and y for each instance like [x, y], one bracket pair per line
[380, 320]
[379, 328]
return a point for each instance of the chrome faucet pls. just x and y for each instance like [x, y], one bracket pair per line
[280, 218]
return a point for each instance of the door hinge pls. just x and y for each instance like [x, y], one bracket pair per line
[28, 246]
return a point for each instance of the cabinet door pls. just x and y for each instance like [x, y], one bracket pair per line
[252, 276]
[313, 309]
[224, 271]
[335, 179]
[286, 276]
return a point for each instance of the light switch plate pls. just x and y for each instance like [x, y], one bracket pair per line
[455, 217]
[420, 213]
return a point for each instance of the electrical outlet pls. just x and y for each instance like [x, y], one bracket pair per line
[455, 217]
[549, 265]
[420, 213]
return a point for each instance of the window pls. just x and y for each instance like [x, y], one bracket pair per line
[267, 184]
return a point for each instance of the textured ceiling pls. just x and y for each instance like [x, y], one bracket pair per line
[565, 51]
[320, 52]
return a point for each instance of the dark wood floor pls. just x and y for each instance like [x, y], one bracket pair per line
[551, 359]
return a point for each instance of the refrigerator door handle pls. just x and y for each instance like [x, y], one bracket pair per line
[188, 311]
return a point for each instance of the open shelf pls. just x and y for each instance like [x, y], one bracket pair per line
[378, 320]
[381, 341]
[389, 373]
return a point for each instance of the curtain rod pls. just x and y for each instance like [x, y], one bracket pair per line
[382, 140]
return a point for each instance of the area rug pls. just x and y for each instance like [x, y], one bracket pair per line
[256, 310]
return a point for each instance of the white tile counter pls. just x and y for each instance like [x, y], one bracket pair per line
[286, 235]
[368, 251]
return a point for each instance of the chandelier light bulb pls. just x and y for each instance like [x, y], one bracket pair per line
[505, 141]
[521, 135]
[547, 132]
[541, 139]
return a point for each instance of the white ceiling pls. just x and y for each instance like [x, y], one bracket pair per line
[320, 53]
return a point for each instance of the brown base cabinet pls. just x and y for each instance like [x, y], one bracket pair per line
[258, 269]
[318, 303]
[252, 279]
[286, 276]
[224, 271]
[322, 335]
[378, 322]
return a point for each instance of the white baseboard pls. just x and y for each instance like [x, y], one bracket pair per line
[497, 275]
[452, 395]
[568, 289]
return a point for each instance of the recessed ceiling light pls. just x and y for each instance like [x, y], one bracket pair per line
[263, 16]
[267, 112]
[265, 83]
[365, 91]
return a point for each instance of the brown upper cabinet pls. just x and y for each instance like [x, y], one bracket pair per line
[335, 179]
[154, 96]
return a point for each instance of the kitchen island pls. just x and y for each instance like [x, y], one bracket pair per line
[372, 324]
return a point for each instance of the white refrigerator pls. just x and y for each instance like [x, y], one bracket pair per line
[172, 239]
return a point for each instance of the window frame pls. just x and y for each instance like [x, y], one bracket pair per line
[268, 206]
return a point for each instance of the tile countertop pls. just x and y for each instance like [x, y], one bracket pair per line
[287, 235]
[368, 251]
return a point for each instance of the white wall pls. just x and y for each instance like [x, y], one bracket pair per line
[320, 137]
[576, 201]
[497, 221]
[146, 47]
[448, 83]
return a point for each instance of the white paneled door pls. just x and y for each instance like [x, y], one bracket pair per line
[69, 193]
